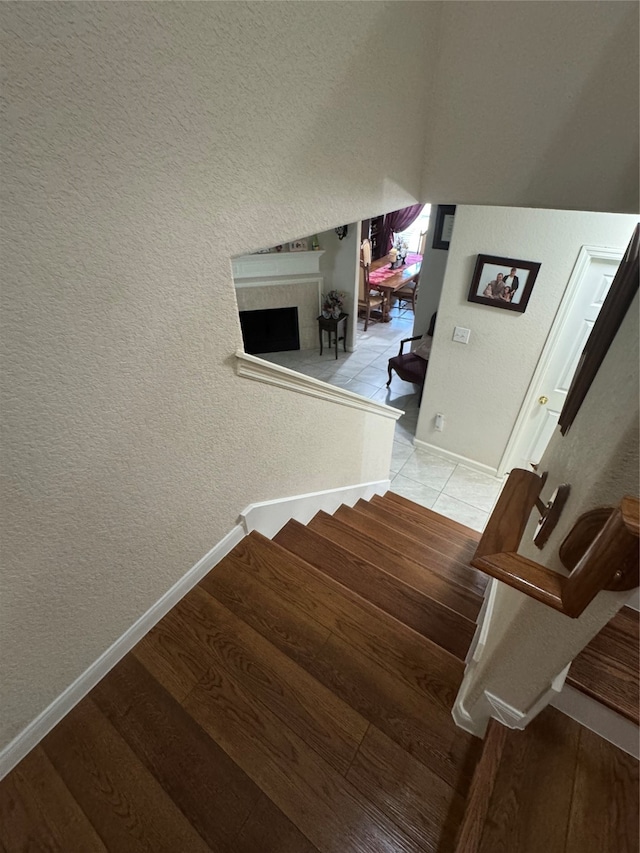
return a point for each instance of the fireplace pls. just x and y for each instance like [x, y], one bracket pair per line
[270, 330]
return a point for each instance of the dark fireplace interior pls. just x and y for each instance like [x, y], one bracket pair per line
[270, 330]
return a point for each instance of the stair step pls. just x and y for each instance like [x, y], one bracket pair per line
[421, 552]
[437, 539]
[481, 790]
[421, 575]
[608, 668]
[426, 514]
[402, 683]
[285, 598]
[425, 615]
[537, 805]
[437, 535]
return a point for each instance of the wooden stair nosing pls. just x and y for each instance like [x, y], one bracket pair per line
[427, 616]
[440, 538]
[423, 576]
[481, 789]
[450, 565]
[428, 514]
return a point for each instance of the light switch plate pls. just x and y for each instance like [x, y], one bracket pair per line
[461, 335]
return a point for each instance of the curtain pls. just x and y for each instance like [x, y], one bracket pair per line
[397, 221]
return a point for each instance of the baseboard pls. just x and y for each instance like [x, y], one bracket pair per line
[266, 517]
[457, 458]
[269, 517]
[515, 718]
[29, 737]
[596, 717]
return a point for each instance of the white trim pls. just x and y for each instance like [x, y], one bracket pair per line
[596, 717]
[252, 367]
[269, 516]
[483, 622]
[514, 718]
[30, 736]
[457, 458]
[585, 256]
[275, 263]
[489, 706]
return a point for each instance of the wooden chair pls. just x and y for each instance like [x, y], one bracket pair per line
[422, 243]
[408, 294]
[366, 299]
[409, 366]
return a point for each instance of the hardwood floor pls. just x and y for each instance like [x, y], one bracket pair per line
[298, 700]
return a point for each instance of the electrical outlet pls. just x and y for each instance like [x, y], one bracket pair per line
[439, 422]
[460, 335]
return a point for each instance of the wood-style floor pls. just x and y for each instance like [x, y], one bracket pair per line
[278, 709]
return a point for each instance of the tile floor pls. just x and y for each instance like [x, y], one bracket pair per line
[451, 489]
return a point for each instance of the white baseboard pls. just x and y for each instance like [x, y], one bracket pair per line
[596, 717]
[489, 706]
[266, 517]
[29, 737]
[457, 458]
[269, 517]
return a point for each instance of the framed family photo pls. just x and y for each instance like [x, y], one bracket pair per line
[503, 282]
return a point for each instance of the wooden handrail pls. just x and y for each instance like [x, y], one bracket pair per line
[609, 550]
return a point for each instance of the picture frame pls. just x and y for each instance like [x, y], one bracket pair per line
[503, 282]
[444, 226]
[299, 246]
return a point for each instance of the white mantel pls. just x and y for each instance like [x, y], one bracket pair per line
[276, 264]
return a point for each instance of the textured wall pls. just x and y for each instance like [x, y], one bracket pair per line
[537, 105]
[489, 377]
[599, 459]
[145, 144]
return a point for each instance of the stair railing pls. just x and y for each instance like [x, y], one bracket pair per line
[601, 550]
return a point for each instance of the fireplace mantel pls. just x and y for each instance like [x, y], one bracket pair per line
[276, 264]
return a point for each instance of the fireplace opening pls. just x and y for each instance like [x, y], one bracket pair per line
[270, 330]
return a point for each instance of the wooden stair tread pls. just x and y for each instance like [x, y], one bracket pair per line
[423, 545]
[451, 567]
[484, 778]
[424, 614]
[292, 592]
[608, 669]
[427, 514]
[390, 675]
[530, 783]
[421, 575]
[440, 537]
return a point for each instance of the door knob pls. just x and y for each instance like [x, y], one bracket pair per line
[543, 400]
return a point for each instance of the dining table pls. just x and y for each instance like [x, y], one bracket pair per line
[387, 280]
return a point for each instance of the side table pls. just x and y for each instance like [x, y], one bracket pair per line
[334, 327]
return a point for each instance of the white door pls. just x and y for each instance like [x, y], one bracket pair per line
[580, 307]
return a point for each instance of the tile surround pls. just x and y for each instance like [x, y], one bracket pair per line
[453, 490]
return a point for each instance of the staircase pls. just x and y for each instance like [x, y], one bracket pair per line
[299, 700]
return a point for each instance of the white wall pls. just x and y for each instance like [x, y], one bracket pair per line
[537, 105]
[480, 387]
[434, 265]
[531, 643]
[339, 267]
[146, 144]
